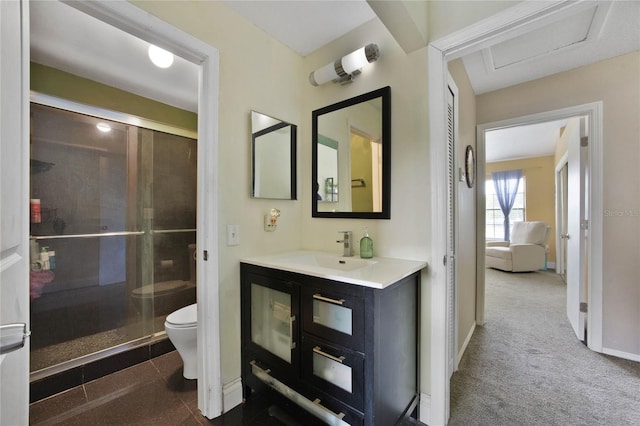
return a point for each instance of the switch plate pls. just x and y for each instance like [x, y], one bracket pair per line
[233, 235]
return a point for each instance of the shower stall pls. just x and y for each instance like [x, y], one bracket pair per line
[112, 236]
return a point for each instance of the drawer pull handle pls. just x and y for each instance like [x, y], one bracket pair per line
[319, 351]
[254, 363]
[338, 415]
[327, 299]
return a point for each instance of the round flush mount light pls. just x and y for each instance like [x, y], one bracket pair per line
[103, 127]
[160, 57]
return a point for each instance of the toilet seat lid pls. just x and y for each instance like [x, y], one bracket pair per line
[184, 317]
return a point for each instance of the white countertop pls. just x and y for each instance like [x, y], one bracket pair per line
[378, 272]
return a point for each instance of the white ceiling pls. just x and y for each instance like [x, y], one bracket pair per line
[595, 31]
[534, 140]
[590, 32]
[304, 25]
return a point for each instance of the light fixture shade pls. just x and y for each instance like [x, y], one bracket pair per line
[346, 68]
[324, 74]
[160, 57]
[361, 57]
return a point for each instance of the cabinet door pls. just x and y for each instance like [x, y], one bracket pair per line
[270, 321]
[334, 315]
[334, 370]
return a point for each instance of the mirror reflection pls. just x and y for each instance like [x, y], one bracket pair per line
[352, 157]
[273, 162]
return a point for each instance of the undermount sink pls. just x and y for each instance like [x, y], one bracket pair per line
[332, 262]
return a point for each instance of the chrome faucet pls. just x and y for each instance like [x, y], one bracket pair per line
[347, 241]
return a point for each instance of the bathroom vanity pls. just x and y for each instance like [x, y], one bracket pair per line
[338, 336]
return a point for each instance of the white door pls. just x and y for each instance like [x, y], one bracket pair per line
[14, 202]
[576, 224]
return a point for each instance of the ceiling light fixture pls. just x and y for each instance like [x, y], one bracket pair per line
[346, 68]
[160, 57]
[103, 127]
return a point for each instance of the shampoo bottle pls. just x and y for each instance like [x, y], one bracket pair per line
[366, 246]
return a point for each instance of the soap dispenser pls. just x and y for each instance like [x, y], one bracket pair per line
[366, 246]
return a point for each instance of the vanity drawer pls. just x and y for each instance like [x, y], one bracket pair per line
[333, 315]
[338, 411]
[337, 371]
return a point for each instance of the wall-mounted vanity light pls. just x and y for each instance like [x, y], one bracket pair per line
[346, 68]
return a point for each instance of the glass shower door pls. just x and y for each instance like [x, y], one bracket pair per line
[112, 233]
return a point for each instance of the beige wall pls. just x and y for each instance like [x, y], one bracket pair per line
[256, 73]
[406, 234]
[540, 197]
[447, 16]
[466, 252]
[58, 83]
[615, 82]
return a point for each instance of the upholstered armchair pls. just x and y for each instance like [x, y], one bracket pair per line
[525, 251]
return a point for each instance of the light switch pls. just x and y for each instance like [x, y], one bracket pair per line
[233, 235]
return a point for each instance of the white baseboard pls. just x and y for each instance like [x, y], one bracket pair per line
[620, 354]
[466, 343]
[425, 408]
[231, 395]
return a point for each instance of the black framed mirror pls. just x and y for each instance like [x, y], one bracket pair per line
[273, 158]
[351, 157]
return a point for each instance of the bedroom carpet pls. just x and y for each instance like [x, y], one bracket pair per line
[526, 367]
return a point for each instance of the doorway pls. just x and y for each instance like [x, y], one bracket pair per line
[587, 120]
[129, 18]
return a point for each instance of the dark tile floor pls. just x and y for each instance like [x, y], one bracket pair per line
[155, 393]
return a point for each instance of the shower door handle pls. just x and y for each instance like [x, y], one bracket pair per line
[12, 337]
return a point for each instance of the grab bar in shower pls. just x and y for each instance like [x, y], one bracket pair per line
[171, 231]
[103, 234]
[110, 234]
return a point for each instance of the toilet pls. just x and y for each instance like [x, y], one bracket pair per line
[181, 327]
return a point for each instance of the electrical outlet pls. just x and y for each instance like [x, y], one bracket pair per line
[233, 235]
[270, 223]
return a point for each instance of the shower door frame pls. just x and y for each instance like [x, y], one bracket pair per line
[135, 125]
[133, 20]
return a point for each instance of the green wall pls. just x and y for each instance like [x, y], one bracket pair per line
[54, 82]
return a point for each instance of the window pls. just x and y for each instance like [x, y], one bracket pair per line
[494, 216]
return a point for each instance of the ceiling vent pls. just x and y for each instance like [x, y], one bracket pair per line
[566, 33]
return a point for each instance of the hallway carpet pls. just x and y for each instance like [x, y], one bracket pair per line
[526, 367]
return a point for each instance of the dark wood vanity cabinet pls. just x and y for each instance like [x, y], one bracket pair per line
[348, 349]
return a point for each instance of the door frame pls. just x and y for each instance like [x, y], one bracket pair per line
[135, 21]
[560, 213]
[504, 25]
[594, 112]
